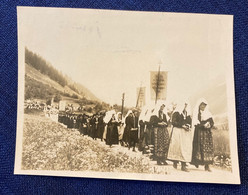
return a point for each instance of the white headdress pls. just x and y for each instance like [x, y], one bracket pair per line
[143, 113]
[157, 108]
[108, 116]
[180, 106]
[206, 114]
[117, 118]
[129, 112]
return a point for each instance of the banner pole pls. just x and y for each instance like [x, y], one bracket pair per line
[137, 102]
[122, 104]
[157, 85]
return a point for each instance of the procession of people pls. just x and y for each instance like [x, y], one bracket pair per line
[175, 135]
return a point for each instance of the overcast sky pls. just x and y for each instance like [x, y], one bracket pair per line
[111, 52]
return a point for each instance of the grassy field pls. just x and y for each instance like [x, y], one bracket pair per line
[49, 146]
[221, 142]
[222, 149]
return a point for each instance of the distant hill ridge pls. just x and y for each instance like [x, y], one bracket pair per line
[38, 69]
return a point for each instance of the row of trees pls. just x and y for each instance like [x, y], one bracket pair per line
[44, 67]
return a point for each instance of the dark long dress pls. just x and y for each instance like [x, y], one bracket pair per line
[141, 135]
[78, 120]
[133, 137]
[112, 136]
[100, 127]
[90, 127]
[70, 122]
[161, 137]
[127, 128]
[203, 150]
[80, 125]
[131, 130]
[74, 122]
[94, 127]
[149, 134]
[84, 125]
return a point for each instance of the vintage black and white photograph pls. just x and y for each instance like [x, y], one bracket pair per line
[126, 95]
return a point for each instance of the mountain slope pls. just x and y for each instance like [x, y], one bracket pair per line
[215, 94]
[33, 75]
[86, 93]
[44, 79]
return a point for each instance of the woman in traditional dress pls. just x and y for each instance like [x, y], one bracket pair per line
[127, 128]
[180, 149]
[71, 120]
[112, 132]
[91, 124]
[148, 139]
[203, 151]
[132, 123]
[161, 136]
[106, 119]
[94, 126]
[120, 126]
[79, 121]
[74, 121]
[84, 125]
[101, 125]
[142, 124]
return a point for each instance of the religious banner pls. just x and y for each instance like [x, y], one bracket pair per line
[141, 95]
[158, 85]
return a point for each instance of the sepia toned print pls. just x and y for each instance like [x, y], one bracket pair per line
[126, 95]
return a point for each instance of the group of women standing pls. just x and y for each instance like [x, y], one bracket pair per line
[92, 126]
[121, 130]
[180, 138]
[175, 136]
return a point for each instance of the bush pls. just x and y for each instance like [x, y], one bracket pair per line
[98, 107]
[75, 96]
[57, 98]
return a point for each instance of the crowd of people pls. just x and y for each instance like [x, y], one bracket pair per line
[178, 136]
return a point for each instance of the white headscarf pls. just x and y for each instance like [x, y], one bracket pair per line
[108, 116]
[124, 119]
[157, 108]
[129, 112]
[143, 113]
[180, 106]
[206, 114]
[117, 118]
